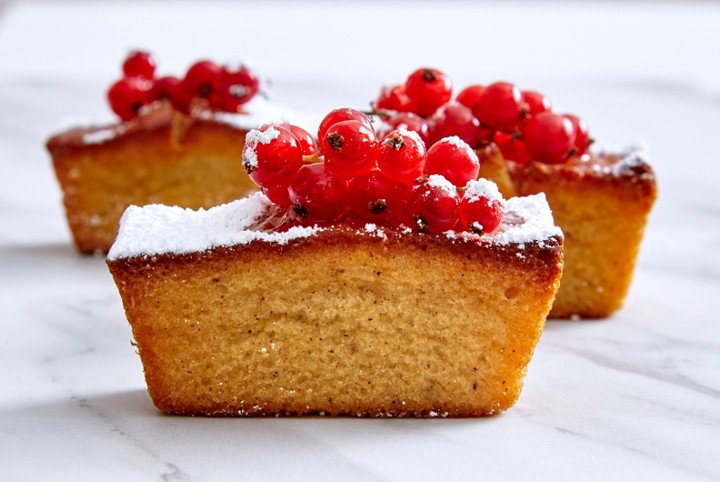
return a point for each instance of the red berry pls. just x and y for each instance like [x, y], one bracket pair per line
[340, 115]
[453, 119]
[350, 148]
[402, 156]
[481, 207]
[411, 122]
[428, 89]
[308, 146]
[582, 134]
[470, 95]
[549, 137]
[499, 106]
[375, 198]
[271, 156]
[204, 80]
[453, 159]
[317, 195]
[239, 85]
[484, 135]
[512, 148]
[535, 103]
[393, 98]
[278, 195]
[434, 205]
[139, 64]
[166, 87]
[128, 95]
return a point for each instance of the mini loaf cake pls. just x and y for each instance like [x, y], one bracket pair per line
[232, 320]
[178, 142]
[600, 200]
[377, 279]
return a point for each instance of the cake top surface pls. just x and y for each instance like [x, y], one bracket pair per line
[157, 229]
[256, 112]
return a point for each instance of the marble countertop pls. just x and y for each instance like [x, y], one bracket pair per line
[633, 397]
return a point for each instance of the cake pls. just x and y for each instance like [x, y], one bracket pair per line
[229, 320]
[602, 204]
[601, 200]
[176, 142]
[359, 292]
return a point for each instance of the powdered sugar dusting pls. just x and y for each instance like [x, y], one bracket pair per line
[100, 136]
[438, 181]
[527, 219]
[461, 144]
[253, 138]
[259, 111]
[157, 229]
[482, 188]
[631, 162]
[411, 134]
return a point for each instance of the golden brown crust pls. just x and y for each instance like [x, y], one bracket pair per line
[494, 167]
[340, 323]
[602, 208]
[162, 157]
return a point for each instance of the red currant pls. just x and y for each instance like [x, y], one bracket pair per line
[411, 122]
[375, 198]
[484, 135]
[549, 137]
[128, 95]
[340, 115]
[481, 207]
[453, 119]
[582, 134]
[166, 88]
[434, 205]
[512, 148]
[350, 148]
[272, 156]
[499, 106]
[453, 159]
[308, 146]
[393, 98]
[317, 195]
[139, 64]
[428, 89]
[239, 85]
[470, 95]
[278, 195]
[535, 103]
[402, 156]
[204, 80]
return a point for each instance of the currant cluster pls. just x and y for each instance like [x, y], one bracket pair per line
[215, 87]
[521, 123]
[351, 174]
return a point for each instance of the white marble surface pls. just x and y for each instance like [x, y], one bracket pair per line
[634, 397]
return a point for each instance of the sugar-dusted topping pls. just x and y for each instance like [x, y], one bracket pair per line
[482, 188]
[632, 158]
[102, 135]
[629, 162]
[411, 134]
[372, 228]
[157, 229]
[439, 181]
[253, 138]
[256, 136]
[259, 111]
[527, 219]
[459, 143]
